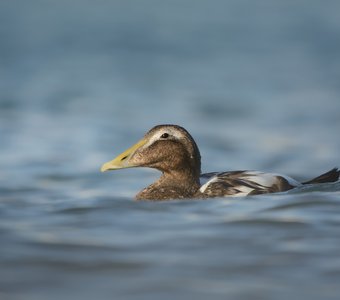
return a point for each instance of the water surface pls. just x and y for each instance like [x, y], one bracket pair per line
[256, 83]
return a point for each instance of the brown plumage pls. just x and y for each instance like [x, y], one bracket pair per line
[172, 150]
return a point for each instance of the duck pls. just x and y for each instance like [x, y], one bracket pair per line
[173, 151]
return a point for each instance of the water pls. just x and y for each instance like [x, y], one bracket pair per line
[255, 82]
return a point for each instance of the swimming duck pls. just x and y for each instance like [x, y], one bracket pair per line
[172, 150]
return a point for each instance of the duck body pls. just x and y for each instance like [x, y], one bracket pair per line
[172, 150]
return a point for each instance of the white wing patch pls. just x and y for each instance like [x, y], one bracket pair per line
[260, 178]
[208, 181]
[243, 191]
[268, 179]
[245, 182]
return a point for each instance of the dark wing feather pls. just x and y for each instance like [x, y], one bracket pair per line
[330, 176]
[242, 183]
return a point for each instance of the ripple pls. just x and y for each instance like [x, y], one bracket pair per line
[306, 203]
[269, 222]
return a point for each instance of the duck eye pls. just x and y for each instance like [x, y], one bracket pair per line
[165, 135]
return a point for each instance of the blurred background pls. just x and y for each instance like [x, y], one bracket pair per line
[255, 82]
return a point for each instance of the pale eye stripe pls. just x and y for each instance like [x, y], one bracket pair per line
[157, 135]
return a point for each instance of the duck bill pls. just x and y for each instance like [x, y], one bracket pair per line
[122, 161]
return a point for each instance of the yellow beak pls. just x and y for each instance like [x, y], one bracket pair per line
[122, 160]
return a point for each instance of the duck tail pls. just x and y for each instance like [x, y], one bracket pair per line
[330, 176]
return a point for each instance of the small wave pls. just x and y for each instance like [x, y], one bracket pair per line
[268, 221]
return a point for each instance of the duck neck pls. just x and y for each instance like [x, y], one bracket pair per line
[172, 185]
[180, 178]
[186, 181]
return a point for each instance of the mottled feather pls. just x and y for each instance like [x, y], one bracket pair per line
[243, 183]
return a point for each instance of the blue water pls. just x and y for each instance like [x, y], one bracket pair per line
[257, 85]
